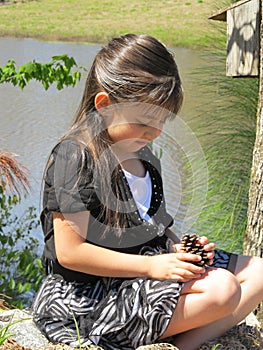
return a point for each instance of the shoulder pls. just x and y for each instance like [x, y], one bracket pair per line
[69, 151]
[70, 147]
[69, 185]
[67, 159]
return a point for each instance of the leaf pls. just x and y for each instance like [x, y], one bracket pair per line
[39, 263]
[12, 284]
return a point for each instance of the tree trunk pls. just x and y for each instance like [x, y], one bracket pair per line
[254, 233]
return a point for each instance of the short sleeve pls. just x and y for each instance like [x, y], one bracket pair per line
[69, 181]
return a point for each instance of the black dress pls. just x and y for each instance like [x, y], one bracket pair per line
[115, 313]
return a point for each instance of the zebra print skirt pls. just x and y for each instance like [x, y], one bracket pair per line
[112, 313]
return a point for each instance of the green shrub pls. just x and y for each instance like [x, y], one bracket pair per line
[20, 269]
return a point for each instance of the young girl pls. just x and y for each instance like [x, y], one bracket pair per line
[114, 279]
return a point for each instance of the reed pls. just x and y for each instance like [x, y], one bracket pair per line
[13, 173]
[227, 133]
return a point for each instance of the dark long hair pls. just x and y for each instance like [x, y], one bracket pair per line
[130, 68]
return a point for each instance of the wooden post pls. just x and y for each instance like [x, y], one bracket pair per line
[254, 234]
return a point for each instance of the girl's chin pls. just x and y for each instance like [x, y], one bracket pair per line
[130, 147]
[141, 143]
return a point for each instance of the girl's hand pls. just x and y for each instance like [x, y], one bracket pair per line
[208, 247]
[174, 266]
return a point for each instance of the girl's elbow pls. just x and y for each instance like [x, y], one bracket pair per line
[65, 260]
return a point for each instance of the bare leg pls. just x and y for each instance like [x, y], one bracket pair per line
[205, 300]
[249, 272]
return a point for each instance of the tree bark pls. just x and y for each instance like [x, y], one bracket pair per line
[254, 233]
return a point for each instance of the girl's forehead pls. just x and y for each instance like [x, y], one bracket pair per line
[146, 111]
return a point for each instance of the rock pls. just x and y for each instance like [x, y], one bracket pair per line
[26, 336]
[23, 329]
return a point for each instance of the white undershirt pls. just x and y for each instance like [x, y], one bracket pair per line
[141, 188]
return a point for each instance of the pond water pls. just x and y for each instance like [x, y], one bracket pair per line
[32, 120]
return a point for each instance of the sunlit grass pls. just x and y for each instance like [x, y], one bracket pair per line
[174, 22]
[227, 133]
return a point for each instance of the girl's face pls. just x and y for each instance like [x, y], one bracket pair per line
[132, 126]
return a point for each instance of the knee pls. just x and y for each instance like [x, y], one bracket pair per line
[226, 291]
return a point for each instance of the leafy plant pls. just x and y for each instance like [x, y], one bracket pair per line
[20, 269]
[59, 70]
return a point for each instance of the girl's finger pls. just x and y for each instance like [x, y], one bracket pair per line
[186, 275]
[210, 255]
[209, 247]
[188, 257]
[203, 240]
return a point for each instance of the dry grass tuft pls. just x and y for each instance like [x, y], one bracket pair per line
[13, 174]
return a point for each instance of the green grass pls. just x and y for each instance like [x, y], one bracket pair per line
[177, 23]
[227, 133]
[5, 330]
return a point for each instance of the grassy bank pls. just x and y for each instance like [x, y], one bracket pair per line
[176, 22]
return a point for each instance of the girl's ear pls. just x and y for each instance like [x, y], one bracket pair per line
[102, 100]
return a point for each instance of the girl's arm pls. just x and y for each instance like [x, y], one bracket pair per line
[74, 253]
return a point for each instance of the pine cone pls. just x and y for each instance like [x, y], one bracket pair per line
[189, 244]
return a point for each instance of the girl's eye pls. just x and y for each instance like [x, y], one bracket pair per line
[148, 120]
[142, 123]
